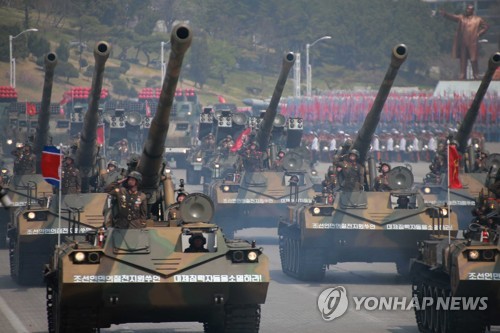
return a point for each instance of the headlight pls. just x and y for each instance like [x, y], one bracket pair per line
[167, 171]
[4, 171]
[322, 211]
[217, 166]
[252, 256]
[473, 254]
[427, 190]
[36, 216]
[444, 212]
[325, 148]
[9, 141]
[79, 257]
[199, 159]
[230, 188]
[314, 172]
[238, 256]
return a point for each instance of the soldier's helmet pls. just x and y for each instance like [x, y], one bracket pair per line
[113, 163]
[354, 152]
[136, 175]
[133, 160]
[181, 194]
[70, 157]
[347, 143]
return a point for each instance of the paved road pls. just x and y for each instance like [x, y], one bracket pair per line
[291, 306]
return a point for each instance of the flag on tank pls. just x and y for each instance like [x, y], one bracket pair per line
[453, 167]
[51, 165]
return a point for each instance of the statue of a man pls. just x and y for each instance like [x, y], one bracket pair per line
[470, 28]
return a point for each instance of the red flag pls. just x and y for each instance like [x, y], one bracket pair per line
[148, 109]
[51, 165]
[221, 99]
[239, 141]
[453, 166]
[100, 134]
[30, 109]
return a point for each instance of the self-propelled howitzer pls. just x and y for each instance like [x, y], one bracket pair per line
[152, 155]
[353, 225]
[260, 186]
[473, 176]
[86, 154]
[26, 189]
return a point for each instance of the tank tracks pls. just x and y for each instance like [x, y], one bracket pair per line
[236, 319]
[303, 263]
[78, 320]
[430, 319]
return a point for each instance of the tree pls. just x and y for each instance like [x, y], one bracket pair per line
[65, 69]
[38, 45]
[62, 51]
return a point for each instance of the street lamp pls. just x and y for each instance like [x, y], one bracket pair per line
[13, 60]
[308, 66]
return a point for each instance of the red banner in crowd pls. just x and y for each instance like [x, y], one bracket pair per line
[30, 109]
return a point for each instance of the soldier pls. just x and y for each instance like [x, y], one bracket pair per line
[129, 204]
[330, 182]
[278, 163]
[353, 173]
[71, 180]
[174, 212]
[227, 143]
[382, 180]
[252, 158]
[208, 142]
[196, 244]
[495, 187]
[480, 162]
[111, 177]
[24, 164]
[132, 163]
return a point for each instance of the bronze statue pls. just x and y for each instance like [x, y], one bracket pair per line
[470, 28]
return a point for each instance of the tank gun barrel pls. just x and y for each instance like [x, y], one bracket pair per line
[363, 139]
[266, 126]
[42, 131]
[470, 117]
[152, 155]
[88, 136]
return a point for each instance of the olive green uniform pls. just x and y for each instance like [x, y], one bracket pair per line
[352, 176]
[130, 210]
[71, 180]
[24, 164]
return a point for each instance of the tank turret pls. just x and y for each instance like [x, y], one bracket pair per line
[42, 131]
[87, 151]
[152, 155]
[363, 140]
[465, 128]
[264, 132]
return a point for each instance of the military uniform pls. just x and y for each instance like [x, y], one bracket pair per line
[382, 183]
[24, 164]
[107, 180]
[71, 180]
[130, 209]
